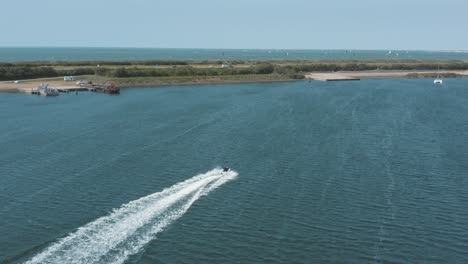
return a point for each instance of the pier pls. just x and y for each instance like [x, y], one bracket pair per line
[61, 89]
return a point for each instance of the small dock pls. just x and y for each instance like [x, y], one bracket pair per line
[97, 89]
[72, 89]
[59, 84]
[61, 89]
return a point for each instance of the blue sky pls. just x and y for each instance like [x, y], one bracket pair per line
[281, 24]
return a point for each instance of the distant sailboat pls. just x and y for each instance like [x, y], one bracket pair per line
[438, 80]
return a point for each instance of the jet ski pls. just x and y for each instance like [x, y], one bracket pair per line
[226, 169]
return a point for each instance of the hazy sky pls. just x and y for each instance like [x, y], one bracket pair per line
[300, 24]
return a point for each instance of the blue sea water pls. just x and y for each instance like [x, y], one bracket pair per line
[12, 54]
[327, 172]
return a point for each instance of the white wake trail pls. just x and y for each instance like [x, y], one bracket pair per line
[113, 238]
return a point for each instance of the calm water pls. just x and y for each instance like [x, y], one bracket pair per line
[75, 54]
[347, 172]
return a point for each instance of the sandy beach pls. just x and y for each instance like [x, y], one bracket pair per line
[345, 75]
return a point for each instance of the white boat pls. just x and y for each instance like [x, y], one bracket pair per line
[438, 80]
[43, 89]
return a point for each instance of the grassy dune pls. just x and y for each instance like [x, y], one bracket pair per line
[181, 80]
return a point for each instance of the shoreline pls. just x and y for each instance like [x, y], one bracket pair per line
[25, 86]
[383, 74]
[204, 83]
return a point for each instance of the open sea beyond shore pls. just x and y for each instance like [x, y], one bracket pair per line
[15, 54]
[323, 172]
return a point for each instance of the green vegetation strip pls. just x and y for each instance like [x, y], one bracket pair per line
[180, 80]
[209, 69]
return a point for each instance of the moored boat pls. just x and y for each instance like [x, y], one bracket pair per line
[44, 90]
[109, 88]
[438, 80]
[112, 89]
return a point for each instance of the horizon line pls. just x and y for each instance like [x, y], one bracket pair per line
[179, 48]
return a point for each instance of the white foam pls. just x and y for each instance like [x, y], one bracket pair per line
[124, 232]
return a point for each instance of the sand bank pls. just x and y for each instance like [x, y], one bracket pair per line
[344, 75]
[27, 85]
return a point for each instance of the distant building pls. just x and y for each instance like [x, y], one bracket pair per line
[226, 66]
[68, 78]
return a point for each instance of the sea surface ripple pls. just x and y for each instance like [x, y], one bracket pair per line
[372, 171]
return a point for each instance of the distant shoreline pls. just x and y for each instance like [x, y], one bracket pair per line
[26, 86]
[24, 77]
[62, 54]
[381, 74]
[452, 51]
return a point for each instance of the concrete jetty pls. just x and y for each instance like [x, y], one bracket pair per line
[376, 74]
[330, 77]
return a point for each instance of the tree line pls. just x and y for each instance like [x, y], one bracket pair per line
[26, 72]
[296, 70]
[183, 71]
